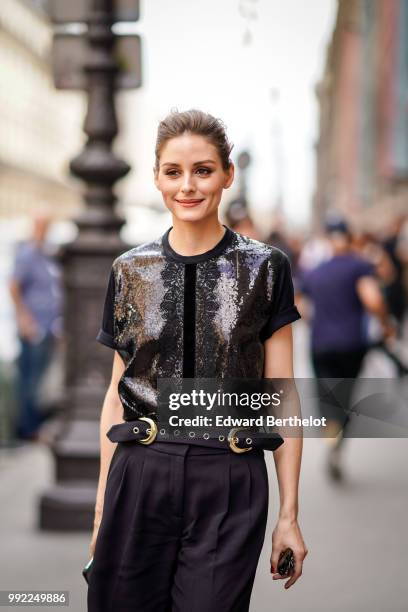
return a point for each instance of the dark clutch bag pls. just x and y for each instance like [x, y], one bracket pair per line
[286, 564]
[86, 572]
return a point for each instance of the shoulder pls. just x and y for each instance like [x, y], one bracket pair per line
[318, 269]
[24, 248]
[25, 254]
[358, 264]
[139, 255]
[261, 252]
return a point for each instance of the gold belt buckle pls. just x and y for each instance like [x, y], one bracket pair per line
[232, 439]
[151, 431]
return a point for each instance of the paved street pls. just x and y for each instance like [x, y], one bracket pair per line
[29, 558]
[363, 523]
[356, 533]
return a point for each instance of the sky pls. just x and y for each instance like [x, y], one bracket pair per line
[194, 56]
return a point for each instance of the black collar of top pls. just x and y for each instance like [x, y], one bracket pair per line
[214, 252]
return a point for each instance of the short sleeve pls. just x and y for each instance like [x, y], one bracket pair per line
[106, 334]
[20, 271]
[363, 268]
[283, 309]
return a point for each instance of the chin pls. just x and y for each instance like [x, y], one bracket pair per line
[190, 215]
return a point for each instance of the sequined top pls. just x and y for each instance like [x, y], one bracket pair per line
[205, 316]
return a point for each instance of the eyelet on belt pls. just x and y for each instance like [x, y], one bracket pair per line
[151, 431]
[191, 434]
[176, 432]
[135, 430]
[221, 438]
[233, 440]
[248, 440]
[162, 431]
[206, 436]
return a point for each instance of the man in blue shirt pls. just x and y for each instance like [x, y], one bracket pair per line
[36, 292]
[342, 290]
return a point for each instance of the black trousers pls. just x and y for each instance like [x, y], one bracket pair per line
[182, 530]
[337, 364]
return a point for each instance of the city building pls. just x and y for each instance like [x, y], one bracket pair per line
[41, 127]
[362, 149]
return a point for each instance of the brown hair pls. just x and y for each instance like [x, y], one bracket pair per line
[195, 122]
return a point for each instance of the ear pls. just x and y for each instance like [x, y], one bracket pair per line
[229, 176]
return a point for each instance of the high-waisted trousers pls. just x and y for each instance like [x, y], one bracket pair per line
[182, 529]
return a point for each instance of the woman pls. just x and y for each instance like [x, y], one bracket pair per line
[178, 526]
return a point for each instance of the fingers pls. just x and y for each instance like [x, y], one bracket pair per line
[274, 560]
[294, 574]
[278, 576]
[299, 558]
[297, 574]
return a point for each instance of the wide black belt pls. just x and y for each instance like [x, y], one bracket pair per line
[239, 439]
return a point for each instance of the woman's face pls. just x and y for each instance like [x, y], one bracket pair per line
[191, 177]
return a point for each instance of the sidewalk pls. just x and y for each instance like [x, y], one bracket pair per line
[30, 558]
[356, 533]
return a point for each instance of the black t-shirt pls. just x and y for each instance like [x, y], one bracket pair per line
[206, 316]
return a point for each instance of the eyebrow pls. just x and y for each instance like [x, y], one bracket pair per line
[205, 161]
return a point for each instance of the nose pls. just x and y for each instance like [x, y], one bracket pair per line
[188, 183]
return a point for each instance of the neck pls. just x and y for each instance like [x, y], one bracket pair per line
[195, 237]
[343, 250]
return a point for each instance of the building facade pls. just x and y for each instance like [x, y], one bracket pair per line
[362, 150]
[41, 127]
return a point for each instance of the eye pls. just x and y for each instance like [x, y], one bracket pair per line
[171, 173]
[204, 171]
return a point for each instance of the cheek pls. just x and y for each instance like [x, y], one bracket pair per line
[167, 187]
[212, 186]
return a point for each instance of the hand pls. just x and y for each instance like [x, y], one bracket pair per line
[27, 326]
[287, 534]
[389, 329]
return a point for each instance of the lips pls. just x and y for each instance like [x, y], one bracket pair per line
[189, 203]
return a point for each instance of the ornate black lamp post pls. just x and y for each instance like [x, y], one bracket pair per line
[69, 504]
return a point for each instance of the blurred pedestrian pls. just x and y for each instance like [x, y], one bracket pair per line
[277, 238]
[238, 218]
[394, 290]
[389, 276]
[341, 290]
[315, 250]
[36, 294]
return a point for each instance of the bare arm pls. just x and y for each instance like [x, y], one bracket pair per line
[112, 411]
[372, 299]
[279, 364]
[26, 324]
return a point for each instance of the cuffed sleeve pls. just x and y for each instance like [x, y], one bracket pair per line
[106, 333]
[283, 309]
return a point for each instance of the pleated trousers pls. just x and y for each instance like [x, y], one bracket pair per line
[182, 530]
